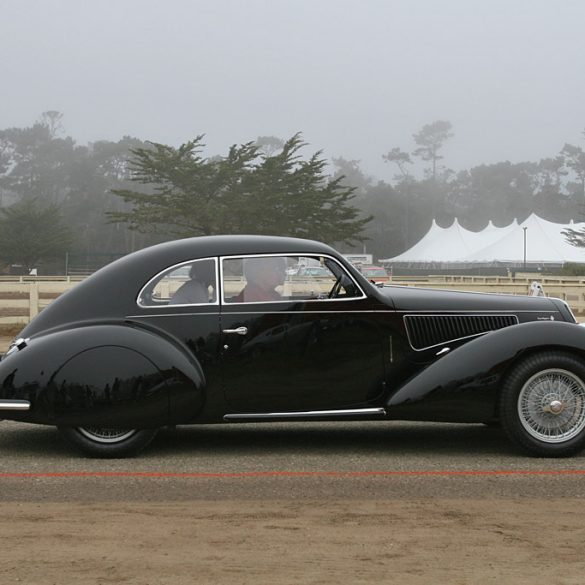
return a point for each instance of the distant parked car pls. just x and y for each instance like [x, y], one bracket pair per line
[375, 273]
[122, 354]
[315, 271]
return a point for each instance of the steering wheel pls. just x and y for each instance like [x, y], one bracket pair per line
[335, 289]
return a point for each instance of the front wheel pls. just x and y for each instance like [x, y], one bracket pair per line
[108, 443]
[542, 406]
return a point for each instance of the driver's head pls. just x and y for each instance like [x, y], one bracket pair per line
[265, 273]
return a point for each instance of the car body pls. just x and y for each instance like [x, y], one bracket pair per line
[126, 352]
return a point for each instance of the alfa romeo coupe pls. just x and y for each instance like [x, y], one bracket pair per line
[226, 329]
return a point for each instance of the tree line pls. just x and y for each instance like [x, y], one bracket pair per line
[106, 197]
[404, 208]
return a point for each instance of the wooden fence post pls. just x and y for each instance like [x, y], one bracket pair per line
[33, 300]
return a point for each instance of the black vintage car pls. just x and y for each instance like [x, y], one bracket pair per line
[230, 329]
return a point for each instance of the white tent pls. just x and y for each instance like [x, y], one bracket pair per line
[458, 241]
[448, 244]
[545, 243]
[488, 236]
[424, 247]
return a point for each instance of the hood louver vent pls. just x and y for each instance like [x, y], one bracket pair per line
[426, 331]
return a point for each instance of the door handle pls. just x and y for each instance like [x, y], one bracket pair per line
[238, 331]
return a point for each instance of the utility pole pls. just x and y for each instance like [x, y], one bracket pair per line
[524, 228]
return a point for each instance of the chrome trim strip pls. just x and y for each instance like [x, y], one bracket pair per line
[217, 314]
[146, 315]
[431, 312]
[312, 312]
[443, 342]
[14, 405]
[440, 312]
[456, 290]
[500, 314]
[307, 414]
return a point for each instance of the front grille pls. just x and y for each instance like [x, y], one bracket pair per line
[426, 331]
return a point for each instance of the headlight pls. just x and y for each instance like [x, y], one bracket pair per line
[16, 345]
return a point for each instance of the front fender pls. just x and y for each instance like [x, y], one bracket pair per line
[116, 374]
[463, 384]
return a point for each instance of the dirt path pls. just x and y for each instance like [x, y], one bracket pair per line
[276, 542]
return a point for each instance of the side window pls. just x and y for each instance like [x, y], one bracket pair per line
[190, 283]
[284, 278]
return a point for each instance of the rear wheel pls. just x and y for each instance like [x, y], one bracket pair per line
[542, 405]
[106, 442]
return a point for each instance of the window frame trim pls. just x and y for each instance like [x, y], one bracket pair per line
[174, 267]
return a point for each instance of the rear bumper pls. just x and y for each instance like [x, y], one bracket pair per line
[14, 405]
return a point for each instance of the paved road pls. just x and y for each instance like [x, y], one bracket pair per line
[276, 461]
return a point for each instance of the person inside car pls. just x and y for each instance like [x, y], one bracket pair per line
[262, 275]
[196, 290]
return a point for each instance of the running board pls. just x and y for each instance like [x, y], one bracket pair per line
[307, 414]
[14, 405]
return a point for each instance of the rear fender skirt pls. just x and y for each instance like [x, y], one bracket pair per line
[101, 375]
[463, 384]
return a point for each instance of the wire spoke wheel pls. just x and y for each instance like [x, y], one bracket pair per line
[551, 405]
[106, 435]
[108, 442]
[542, 404]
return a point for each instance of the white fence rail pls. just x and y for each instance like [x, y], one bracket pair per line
[21, 298]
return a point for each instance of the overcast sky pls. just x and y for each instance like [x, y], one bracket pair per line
[355, 77]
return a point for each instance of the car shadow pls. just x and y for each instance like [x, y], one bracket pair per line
[22, 440]
[371, 439]
[319, 439]
[333, 439]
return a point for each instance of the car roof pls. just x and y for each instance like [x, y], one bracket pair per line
[112, 290]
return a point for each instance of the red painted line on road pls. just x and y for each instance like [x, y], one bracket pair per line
[288, 474]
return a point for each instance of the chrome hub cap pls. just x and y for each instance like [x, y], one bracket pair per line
[106, 435]
[556, 407]
[551, 406]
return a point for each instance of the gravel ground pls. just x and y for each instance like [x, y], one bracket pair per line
[412, 542]
[284, 504]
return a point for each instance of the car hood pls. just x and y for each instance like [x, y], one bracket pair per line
[426, 299]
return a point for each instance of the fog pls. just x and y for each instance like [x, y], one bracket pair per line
[355, 77]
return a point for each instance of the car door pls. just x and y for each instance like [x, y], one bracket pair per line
[315, 346]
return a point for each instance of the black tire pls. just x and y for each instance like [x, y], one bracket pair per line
[542, 406]
[108, 443]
